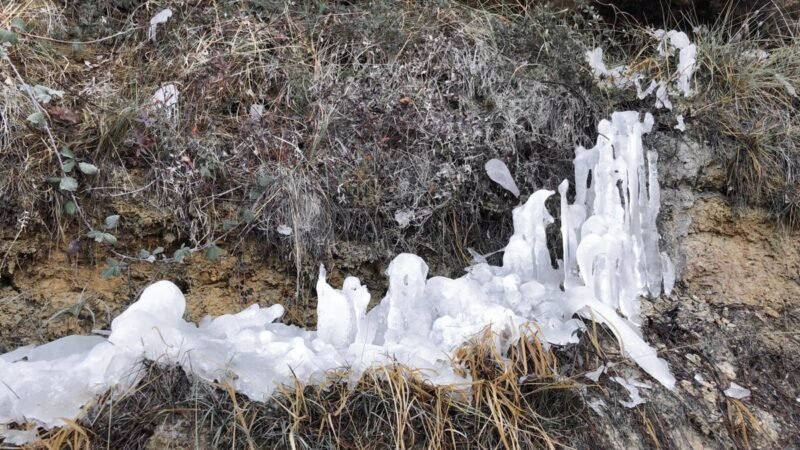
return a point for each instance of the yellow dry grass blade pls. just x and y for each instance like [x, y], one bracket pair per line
[72, 436]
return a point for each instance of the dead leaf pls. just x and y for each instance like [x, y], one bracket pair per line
[64, 115]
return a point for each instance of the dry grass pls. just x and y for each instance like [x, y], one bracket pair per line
[750, 104]
[516, 400]
[367, 111]
[747, 83]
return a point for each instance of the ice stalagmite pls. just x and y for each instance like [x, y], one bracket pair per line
[337, 322]
[610, 257]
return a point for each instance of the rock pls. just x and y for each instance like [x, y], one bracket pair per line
[724, 255]
[740, 258]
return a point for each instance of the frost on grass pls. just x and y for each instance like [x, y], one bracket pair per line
[611, 257]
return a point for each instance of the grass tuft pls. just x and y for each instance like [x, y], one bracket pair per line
[516, 399]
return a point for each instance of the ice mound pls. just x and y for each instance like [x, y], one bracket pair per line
[611, 257]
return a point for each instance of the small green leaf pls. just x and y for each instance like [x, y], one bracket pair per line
[44, 94]
[112, 221]
[54, 180]
[113, 269]
[158, 251]
[205, 172]
[181, 253]
[36, 118]
[8, 36]
[88, 169]
[67, 152]
[263, 181]
[70, 208]
[101, 237]
[248, 215]
[213, 253]
[68, 165]
[228, 225]
[68, 184]
[19, 24]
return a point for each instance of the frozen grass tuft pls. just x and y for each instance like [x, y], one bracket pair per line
[517, 400]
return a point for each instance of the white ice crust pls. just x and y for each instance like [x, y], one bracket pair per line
[610, 258]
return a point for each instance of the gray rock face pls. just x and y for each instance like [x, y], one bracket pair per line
[688, 169]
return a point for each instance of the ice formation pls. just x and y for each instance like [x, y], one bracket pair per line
[737, 392]
[499, 173]
[687, 56]
[161, 17]
[610, 258]
[681, 126]
[18, 437]
[165, 99]
[594, 375]
[680, 82]
[284, 230]
[598, 406]
[256, 110]
[632, 386]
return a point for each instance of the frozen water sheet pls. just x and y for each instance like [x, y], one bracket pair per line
[611, 257]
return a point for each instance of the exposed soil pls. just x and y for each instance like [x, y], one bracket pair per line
[52, 294]
[740, 258]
